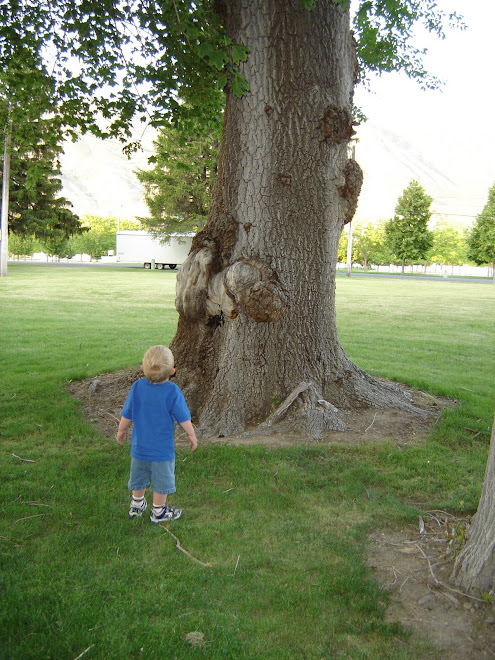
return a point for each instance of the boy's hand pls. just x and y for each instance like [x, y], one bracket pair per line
[191, 434]
[122, 430]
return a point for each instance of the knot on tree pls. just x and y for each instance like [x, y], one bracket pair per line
[192, 283]
[337, 124]
[246, 286]
[220, 303]
[351, 187]
[220, 237]
[256, 290]
[284, 179]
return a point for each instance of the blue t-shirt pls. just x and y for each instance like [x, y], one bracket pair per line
[153, 408]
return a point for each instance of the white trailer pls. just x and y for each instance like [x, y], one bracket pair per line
[137, 246]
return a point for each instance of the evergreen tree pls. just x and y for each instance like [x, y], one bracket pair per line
[408, 236]
[35, 205]
[482, 236]
[178, 190]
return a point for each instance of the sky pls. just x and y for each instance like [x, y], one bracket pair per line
[445, 139]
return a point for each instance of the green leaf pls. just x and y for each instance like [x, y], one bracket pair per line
[239, 53]
[222, 81]
[240, 85]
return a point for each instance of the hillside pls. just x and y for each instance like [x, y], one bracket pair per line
[99, 180]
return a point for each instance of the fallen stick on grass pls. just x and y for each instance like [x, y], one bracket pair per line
[84, 652]
[39, 515]
[179, 547]
[24, 460]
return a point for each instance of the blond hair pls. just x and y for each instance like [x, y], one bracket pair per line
[158, 362]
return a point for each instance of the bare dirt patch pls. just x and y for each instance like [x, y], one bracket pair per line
[414, 567]
[413, 564]
[103, 396]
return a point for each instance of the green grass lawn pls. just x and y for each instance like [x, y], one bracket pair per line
[283, 529]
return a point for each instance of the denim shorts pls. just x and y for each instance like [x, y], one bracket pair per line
[161, 474]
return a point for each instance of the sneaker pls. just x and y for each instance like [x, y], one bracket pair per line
[137, 508]
[168, 513]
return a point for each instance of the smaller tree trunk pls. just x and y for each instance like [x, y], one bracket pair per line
[474, 569]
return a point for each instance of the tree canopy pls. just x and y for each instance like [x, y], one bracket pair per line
[448, 246]
[482, 236]
[104, 64]
[407, 233]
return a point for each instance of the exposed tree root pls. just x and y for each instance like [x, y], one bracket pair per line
[303, 410]
[306, 411]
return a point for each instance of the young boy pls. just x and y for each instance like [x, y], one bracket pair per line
[153, 405]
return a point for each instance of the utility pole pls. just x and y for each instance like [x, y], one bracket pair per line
[348, 266]
[4, 227]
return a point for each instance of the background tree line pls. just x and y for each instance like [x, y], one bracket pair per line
[178, 189]
[406, 238]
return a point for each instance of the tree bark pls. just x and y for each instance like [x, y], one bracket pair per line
[256, 297]
[474, 569]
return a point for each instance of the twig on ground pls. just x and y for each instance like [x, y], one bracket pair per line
[366, 430]
[24, 460]
[84, 652]
[188, 554]
[446, 586]
[16, 545]
[236, 565]
[396, 572]
[39, 515]
[407, 578]
[48, 491]
[445, 513]
[489, 650]
[110, 415]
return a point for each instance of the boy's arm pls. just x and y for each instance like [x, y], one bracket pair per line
[121, 433]
[189, 429]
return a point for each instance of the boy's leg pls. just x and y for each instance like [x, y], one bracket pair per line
[159, 499]
[163, 480]
[139, 478]
[138, 503]
[163, 512]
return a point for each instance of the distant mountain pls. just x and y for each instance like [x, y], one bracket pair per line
[100, 180]
[458, 184]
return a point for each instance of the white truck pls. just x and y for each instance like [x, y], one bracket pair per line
[138, 246]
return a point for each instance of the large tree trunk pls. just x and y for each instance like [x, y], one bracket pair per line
[474, 569]
[256, 296]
